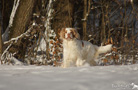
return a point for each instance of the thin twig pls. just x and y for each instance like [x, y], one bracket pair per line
[5, 51]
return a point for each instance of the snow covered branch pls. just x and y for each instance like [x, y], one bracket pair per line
[21, 36]
[11, 41]
[2, 56]
[47, 25]
[15, 6]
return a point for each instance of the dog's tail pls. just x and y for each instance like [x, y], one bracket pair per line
[103, 49]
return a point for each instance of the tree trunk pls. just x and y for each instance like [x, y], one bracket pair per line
[6, 11]
[20, 23]
[22, 17]
[103, 34]
[85, 21]
[78, 16]
[64, 18]
[1, 43]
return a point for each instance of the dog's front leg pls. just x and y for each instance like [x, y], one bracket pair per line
[66, 63]
[80, 62]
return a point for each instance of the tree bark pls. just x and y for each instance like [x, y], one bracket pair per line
[64, 18]
[6, 11]
[103, 35]
[20, 24]
[1, 43]
[22, 18]
[85, 21]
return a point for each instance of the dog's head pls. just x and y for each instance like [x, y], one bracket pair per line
[69, 33]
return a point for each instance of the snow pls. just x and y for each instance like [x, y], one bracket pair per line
[15, 6]
[73, 78]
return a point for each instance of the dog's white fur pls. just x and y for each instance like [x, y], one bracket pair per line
[77, 52]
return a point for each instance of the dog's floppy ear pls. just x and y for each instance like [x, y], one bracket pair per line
[75, 33]
[62, 33]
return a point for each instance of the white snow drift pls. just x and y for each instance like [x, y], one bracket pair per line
[56, 78]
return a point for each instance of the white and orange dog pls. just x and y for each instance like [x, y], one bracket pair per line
[77, 52]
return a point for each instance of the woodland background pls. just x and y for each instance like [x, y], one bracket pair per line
[29, 29]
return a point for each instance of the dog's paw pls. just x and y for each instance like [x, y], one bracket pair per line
[80, 62]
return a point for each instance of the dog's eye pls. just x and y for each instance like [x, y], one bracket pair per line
[71, 32]
[65, 31]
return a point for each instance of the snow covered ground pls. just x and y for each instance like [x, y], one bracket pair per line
[74, 78]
